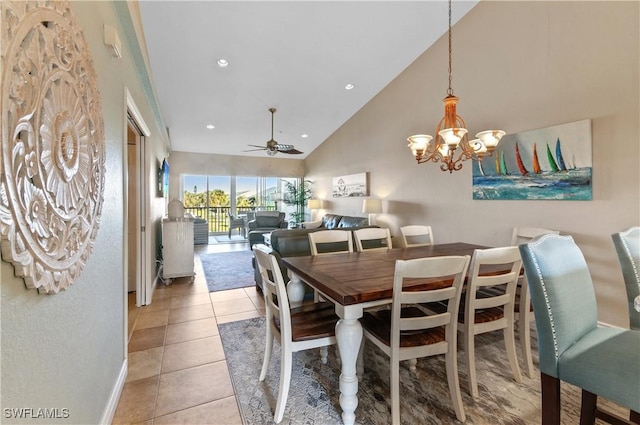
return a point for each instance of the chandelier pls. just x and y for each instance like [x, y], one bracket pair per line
[452, 145]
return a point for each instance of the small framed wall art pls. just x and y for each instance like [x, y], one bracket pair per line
[353, 185]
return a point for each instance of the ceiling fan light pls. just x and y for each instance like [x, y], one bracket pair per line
[271, 153]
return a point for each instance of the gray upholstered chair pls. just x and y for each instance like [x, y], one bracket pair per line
[602, 361]
[627, 245]
[267, 221]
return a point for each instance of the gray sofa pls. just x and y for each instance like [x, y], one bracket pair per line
[265, 222]
[295, 242]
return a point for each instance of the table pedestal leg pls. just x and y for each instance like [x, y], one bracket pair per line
[349, 337]
[295, 291]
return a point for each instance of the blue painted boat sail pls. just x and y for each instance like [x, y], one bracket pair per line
[559, 158]
[552, 162]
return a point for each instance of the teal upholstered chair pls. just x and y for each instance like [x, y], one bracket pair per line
[627, 245]
[602, 361]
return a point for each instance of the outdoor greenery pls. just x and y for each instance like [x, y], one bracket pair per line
[297, 194]
[217, 198]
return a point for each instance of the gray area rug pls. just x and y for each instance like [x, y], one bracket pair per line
[227, 239]
[228, 270]
[313, 397]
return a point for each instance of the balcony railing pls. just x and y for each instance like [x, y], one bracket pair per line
[218, 217]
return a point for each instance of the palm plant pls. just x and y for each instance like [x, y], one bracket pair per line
[297, 194]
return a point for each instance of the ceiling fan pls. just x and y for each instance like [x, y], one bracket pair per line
[274, 147]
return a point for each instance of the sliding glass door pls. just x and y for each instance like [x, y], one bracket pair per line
[215, 198]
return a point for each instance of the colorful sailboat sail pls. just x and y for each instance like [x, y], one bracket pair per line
[552, 162]
[559, 157]
[521, 167]
[480, 168]
[536, 163]
[503, 165]
[497, 161]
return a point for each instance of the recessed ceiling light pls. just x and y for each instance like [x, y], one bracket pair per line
[222, 63]
[304, 136]
[211, 126]
[348, 86]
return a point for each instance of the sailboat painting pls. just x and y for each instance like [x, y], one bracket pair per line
[549, 163]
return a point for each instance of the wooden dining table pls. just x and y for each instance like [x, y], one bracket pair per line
[354, 282]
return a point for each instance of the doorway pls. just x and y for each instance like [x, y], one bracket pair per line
[133, 194]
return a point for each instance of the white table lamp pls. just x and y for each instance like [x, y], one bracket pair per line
[372, 207]
[314, 204]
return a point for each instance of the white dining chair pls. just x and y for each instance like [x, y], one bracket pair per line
[330, 241]
[407, 332]
[416, 235]
[372, 238]
[524, 312]
[296, 329]
[489, 306]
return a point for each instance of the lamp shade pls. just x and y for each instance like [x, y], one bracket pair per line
[371, 206]
[315, 204]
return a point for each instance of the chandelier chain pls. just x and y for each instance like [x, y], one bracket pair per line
[451, 145]
[450, 90]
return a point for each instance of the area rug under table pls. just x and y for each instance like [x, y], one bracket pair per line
[228, 270]
[424, 395]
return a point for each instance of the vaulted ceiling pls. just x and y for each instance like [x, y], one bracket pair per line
[297, 57]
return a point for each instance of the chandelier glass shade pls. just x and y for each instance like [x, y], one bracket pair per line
[452, 145]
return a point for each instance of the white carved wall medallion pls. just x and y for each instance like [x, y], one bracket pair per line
[52, 168]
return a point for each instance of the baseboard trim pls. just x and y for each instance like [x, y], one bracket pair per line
[112, 403]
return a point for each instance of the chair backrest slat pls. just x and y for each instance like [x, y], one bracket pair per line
[426, 322]
[330, 241]
[454, 267]
[379, 237]
[416, 235]
[275, 291]
[522, 235]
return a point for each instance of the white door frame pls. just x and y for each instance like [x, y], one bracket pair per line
[144, 285]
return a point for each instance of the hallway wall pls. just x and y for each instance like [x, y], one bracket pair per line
[67, 351]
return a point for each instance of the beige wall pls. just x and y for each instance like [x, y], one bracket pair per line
[68, 350]
[516, 66]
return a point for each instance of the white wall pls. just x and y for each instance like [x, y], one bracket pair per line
[516, 66]
[67, 350]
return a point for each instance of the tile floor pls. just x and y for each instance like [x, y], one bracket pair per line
[177, 372]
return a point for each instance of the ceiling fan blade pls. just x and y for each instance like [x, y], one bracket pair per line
[253, 150]
[291, 151]
[257, 146]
